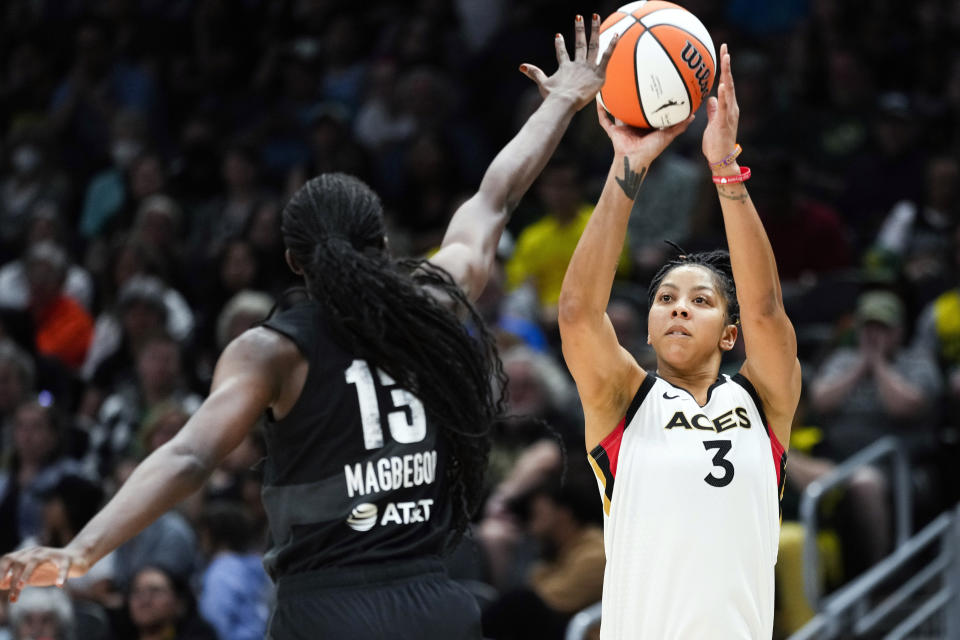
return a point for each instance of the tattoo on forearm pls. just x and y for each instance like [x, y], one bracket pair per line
[631, 181]
[737, 194]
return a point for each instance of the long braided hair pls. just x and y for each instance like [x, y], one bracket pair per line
[389, 312]
[717, 262]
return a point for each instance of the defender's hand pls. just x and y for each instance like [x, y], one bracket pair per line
[40, 567]
[581, 78]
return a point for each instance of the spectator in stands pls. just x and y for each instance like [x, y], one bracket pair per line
[236, 590]
[500, 532]
[794, 223]
[32, 180]
[195, 165]
[26, 82]
[98, 85]
[938, 335]
[42, 614]
[107, 193]
[46, 222]
[538, 387]
[564, 520]
[157, 224]
[332, 146]
[889, 172]
[227, 215]
[243, 311]
[515, 315]
[67, 507]
[263, 234]
[236, 269]
[282, 131]
[159, 426]
[834, 85]
[544, 248]
[145, 307]
[169, 542]
[233, 270]
[63, 330]
[432, 177]
[627, 314]
[17, 373]
[125, 257]
[669, 207]
[346, 69]
[880, 387]
[380, 120]
[938, 329]
[35, 464]
[159, 378]
[163, 608]
[15, 287]
[147, 177]
[918, 234]
[540, 401]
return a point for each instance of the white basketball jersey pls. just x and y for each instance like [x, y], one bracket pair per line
[692, 515]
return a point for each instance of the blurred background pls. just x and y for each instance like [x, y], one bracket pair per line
[147, 148]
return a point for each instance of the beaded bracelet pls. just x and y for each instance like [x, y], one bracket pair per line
[743, 176]
[737, 150]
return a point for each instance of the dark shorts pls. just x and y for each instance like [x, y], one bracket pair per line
[409, 600]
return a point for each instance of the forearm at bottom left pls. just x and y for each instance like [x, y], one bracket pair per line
[166, 477]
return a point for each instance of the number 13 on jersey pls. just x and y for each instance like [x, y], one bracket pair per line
[405, 428]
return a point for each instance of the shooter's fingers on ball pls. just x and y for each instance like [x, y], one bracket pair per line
[606, 120]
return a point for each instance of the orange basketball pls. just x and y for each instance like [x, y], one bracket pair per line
[662, 67]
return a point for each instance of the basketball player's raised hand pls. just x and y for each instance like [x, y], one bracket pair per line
[581, 78]
[723, 114]
[642, 146]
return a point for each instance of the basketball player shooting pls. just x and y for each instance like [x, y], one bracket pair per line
[690, 463]
[379, 403]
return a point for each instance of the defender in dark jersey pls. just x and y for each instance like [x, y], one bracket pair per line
[378, 398]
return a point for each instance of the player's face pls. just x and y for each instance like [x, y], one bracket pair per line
[687, 322]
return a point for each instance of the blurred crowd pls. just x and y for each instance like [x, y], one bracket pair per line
[147, 148]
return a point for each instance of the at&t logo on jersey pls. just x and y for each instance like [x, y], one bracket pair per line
[363, 517]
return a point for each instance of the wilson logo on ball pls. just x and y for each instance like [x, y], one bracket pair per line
[662, 67]
[702, 72]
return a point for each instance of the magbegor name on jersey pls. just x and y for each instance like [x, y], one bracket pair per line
[391, 473]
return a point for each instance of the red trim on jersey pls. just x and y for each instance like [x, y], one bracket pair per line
[778, 454]
[611, 444]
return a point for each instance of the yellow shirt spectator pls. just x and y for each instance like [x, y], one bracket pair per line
[544, 250]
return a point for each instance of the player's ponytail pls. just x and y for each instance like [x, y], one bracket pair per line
[380, 308]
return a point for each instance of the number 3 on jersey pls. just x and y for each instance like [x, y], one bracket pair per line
[403, 429]
[723, 448]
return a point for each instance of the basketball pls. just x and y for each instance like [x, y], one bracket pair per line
[662, 68]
